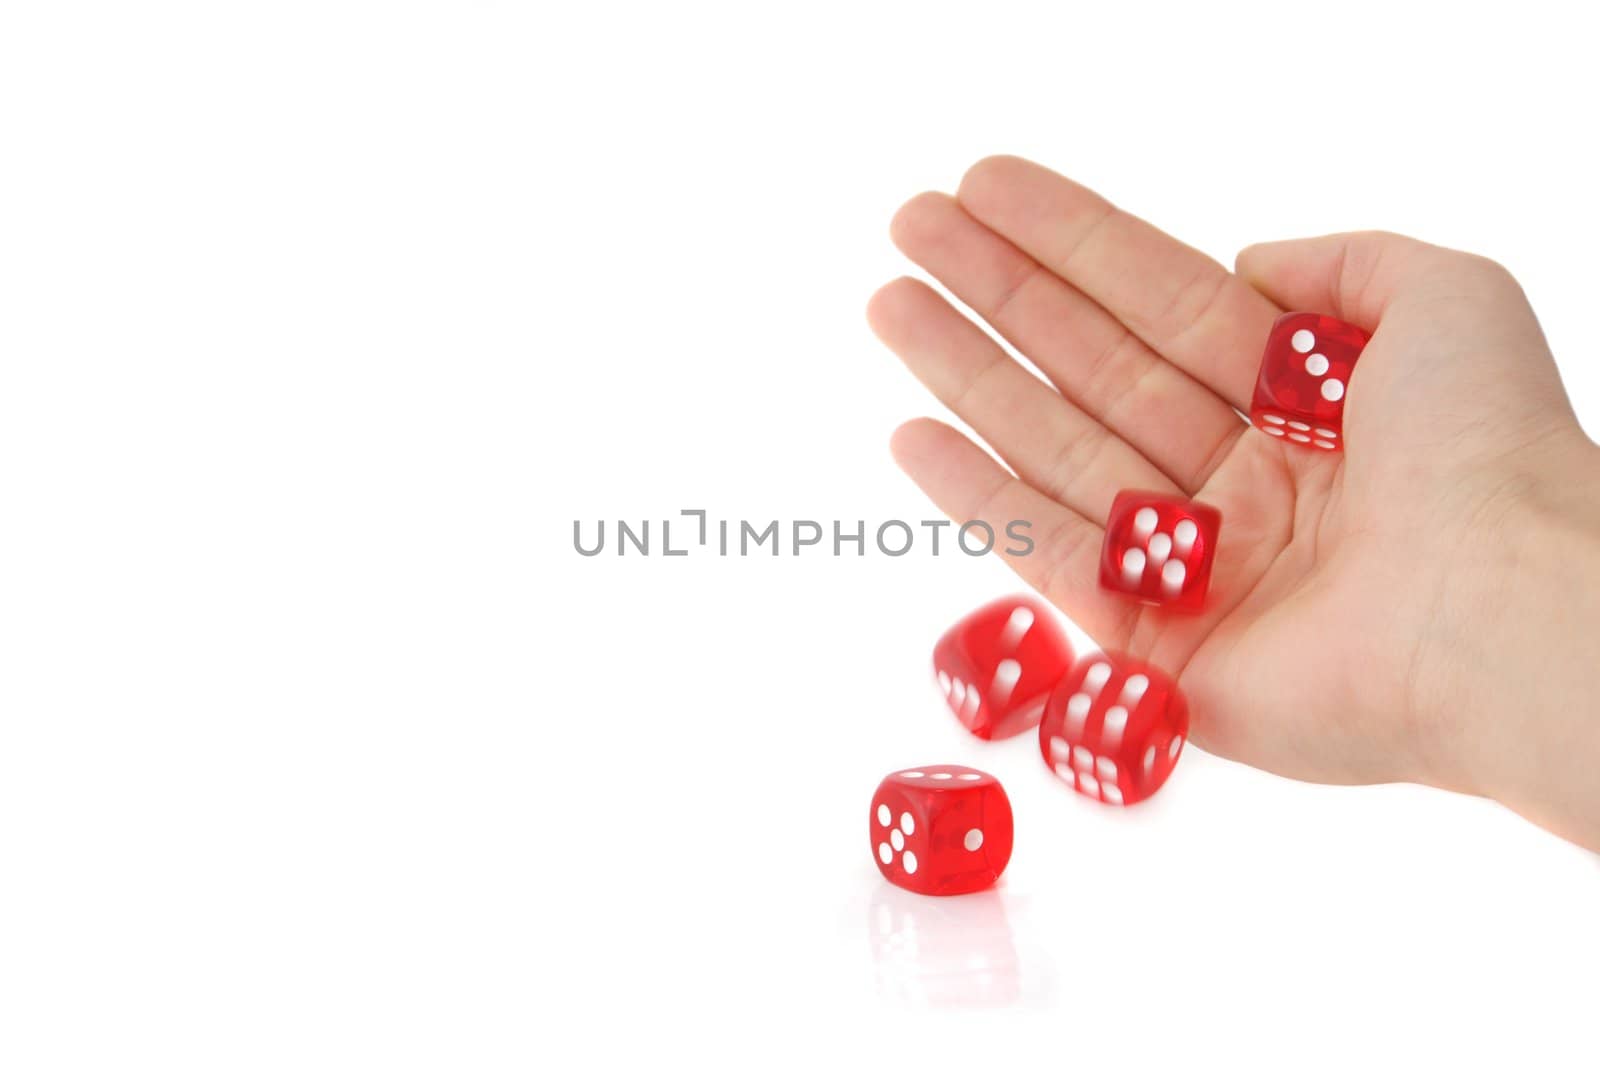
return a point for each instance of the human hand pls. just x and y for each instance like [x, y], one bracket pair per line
[1419, 608]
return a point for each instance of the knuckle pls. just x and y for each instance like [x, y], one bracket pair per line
[1012, 289]
[988, 503]
[1490, 270]
[1068, 542]
[1192, 305]
[1358, 266]
[968, 393]
[1078, 454]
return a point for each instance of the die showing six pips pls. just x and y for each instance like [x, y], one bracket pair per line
[1110, 726]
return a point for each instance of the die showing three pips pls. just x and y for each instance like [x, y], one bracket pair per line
[1109, 725]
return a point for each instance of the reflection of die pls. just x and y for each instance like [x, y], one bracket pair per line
[955, 951]
[941, 830]
[1113, 728]
[1305, 371]
[1159, 549]
[998, 664]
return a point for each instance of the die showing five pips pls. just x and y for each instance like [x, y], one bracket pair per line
[1109, 725]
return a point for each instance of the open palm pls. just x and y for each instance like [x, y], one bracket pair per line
[1333, 582]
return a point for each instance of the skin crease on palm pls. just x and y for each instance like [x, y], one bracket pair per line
[1421, 607]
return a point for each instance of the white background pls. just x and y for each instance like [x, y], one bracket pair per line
[321, 323]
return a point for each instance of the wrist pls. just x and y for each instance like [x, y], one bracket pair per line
[1520, 675]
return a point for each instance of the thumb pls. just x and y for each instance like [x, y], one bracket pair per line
[1359, 277]
[1453, 324]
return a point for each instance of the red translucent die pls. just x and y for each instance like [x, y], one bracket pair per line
[1159, 549]
[1300, 391]
[940, 830]
[1113, 728]
[998, 665]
